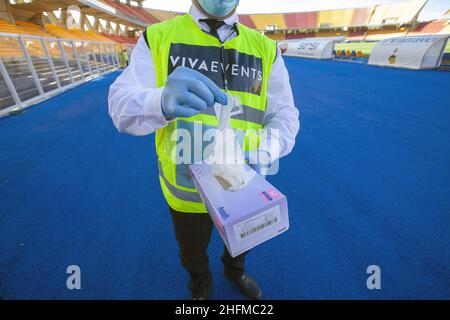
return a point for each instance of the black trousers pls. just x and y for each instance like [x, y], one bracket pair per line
[193, 233]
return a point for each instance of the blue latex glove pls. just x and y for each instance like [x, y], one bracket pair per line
[259, 160]
[188, 92]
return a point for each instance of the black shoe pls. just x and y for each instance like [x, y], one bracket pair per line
[247, 284]
[204, 295]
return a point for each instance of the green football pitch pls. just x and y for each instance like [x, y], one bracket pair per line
[366, 47]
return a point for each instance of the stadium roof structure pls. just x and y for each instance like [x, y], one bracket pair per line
[26, 10]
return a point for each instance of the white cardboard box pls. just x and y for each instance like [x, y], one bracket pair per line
[246, 217]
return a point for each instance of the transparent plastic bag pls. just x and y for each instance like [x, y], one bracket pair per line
[227, 158]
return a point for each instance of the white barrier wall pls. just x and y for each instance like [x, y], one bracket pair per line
[416, 52]
[314, 48]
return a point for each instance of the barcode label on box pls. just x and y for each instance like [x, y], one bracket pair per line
[256, 224]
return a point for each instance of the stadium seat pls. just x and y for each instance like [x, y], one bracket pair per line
[162, 15]
[276, 36]
[141, 12]
[301, 20]
[121, 39]
[75, 34]
[335, 18]
[97, 36]
[356, 35]
[59, 32]
[132, 12]
[327, 34]
[246, 20]
[432, 27]
[381, 34]
[361, 17]
[31, 29]
[7, 27]
[300, 35]
[262, 21]
[10, 48]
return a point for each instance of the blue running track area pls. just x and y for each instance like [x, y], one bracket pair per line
[368, 183]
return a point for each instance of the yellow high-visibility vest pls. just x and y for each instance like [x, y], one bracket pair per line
[240, 66]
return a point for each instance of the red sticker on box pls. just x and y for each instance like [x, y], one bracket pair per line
[270, 194]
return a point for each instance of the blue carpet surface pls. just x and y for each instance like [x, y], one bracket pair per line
[367, 183]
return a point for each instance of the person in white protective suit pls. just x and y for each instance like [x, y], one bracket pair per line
[179, 70]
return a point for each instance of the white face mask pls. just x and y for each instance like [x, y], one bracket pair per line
[218, 8]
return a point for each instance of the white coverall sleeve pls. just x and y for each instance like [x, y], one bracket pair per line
[281, 113]
[134, 101]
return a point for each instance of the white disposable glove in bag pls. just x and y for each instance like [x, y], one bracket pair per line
[227, 158]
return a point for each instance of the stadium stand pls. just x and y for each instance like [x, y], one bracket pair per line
[327, 34]
[61, 32]
[161, 15]
[120, 39]
[302, 20]
[40, 57]
[381, 34]
[132, 12]
[278, 36]
[31, 29]
[334, 18]
[28, 28]
[361, 17]
[431, 27]
[357, 35]
[372, 23]
[96, 36]
[396, 13]
[21, 28]
[247, 21]
[269, 21]
[293, 36]
[9, 47]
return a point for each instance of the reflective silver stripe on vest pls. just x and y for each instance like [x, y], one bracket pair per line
[250, 114]
[180, 194]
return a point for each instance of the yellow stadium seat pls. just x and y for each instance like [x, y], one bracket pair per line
[335, 18]
[262, 21]
[327, 34]
[75, 34]
[276, 36]
[381, 34]
[59, 32]
[162, 15]
[31, 29]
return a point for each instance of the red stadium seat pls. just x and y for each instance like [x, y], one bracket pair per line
[301, 20]
[246, 20]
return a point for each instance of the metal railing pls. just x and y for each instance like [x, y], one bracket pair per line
[35, 68]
